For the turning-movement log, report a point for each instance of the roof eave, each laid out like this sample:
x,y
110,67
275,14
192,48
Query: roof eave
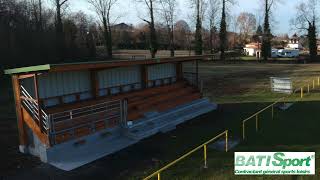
x,y
29,69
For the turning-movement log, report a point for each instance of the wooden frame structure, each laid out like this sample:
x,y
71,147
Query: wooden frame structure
x,y
32,113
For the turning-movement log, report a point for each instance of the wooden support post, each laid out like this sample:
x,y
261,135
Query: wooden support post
x,y
308,88
179,70
17,94
94,83
301,95
144,76
318,81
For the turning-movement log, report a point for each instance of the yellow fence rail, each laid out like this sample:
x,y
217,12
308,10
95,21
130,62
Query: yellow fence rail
x,y
255,116
204,146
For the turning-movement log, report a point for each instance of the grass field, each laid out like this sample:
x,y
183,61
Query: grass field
x,y
252,58
240,89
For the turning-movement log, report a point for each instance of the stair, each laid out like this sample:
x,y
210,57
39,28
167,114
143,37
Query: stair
x,y
168,120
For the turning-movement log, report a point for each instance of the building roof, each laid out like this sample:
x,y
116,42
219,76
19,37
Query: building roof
x,y
99,65
253,45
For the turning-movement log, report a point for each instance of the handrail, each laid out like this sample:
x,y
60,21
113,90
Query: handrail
x,y
71,119
262,110
271,105
157,173
184,156
85,107
33,107
81,125
107,110
54,116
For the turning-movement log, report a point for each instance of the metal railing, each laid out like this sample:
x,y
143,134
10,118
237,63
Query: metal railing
x,y
108,112
111,112
204,146
193,80
304,89
256,116
33,107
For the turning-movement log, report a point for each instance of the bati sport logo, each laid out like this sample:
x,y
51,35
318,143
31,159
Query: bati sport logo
x,y
274,163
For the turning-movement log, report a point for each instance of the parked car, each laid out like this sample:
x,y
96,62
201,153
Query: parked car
x,y
288,53
274,53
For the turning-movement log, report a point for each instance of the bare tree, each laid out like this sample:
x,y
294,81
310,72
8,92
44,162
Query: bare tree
x,y
103,9
306,21
59,27
168,13
150,4
213,11
182,35
247,24
37,13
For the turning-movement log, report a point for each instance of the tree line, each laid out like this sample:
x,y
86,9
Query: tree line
x,y
31,32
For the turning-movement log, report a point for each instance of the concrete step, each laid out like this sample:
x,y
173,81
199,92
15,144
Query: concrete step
x,y
167,121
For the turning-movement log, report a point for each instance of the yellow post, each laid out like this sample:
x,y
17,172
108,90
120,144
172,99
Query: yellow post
x,y
272,112
318,81
308,88
257,122
243,129
159,178
302,92
227,141
205,155
313,84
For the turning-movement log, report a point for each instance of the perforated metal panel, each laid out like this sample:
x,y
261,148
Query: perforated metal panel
x,y
161,71
63,83
119,76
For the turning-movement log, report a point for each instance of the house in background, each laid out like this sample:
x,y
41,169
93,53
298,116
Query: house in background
x,y
253,49
294,42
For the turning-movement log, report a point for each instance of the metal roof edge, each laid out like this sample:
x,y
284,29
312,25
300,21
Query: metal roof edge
x,y
27,69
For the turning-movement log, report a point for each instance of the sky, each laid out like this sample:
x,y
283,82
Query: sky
x,y
128,11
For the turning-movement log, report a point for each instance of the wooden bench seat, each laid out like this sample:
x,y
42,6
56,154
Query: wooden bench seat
x,y
163,101
154,96
165,97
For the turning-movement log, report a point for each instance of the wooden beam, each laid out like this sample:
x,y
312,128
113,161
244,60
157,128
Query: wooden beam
x,y
29,121
25,76
144,76
114,64
94,83
17,93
